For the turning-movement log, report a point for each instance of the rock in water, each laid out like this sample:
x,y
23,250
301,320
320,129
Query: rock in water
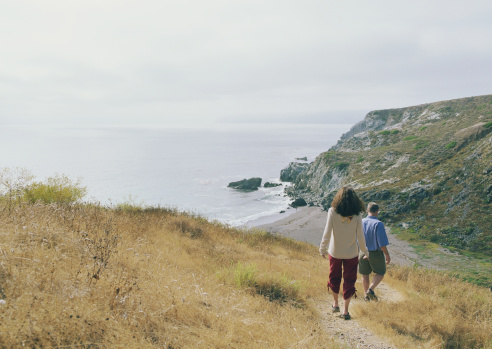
x,y
271,185
298,202
246,184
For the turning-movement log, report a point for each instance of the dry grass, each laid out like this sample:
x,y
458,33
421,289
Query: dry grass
x,y
438,311
86,276
91,277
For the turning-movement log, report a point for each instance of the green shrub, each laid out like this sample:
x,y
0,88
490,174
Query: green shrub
x,y
244,275
422,128
58,189
342,165
409,138
280,289
488,124
421,144
327,155
394,132
276,288
360,159
384,133
450,145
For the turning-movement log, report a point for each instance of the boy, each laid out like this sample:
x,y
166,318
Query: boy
x,y
376,242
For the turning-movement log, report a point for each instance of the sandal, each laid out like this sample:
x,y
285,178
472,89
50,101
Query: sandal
x,y
366,299
335,309
371,295
344,316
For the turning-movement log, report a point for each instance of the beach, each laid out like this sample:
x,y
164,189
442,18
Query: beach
x,y
308,223
302,224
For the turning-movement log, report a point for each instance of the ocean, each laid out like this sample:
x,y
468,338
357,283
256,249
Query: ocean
x,y
186,167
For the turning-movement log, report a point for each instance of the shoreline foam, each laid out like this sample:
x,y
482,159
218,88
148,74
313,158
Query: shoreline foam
x,y
272,218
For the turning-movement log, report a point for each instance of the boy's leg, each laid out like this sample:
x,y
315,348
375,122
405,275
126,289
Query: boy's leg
x,y
365,282
375,281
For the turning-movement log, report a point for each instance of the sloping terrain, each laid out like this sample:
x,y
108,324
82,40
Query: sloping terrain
x,y
429,166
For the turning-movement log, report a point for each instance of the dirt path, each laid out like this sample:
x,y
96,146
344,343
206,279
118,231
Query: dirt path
x,y
353,334
308,225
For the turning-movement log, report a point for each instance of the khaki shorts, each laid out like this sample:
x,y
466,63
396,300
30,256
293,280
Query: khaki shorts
x,y
376,263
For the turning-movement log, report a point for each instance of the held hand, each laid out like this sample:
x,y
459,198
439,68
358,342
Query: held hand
x,y
365,257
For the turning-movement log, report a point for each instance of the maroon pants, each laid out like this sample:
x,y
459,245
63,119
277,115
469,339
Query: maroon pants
x,y
349,275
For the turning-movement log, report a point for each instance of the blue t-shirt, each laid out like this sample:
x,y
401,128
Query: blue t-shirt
x,y
374,233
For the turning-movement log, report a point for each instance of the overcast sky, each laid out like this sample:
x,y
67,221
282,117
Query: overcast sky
x,y
162,61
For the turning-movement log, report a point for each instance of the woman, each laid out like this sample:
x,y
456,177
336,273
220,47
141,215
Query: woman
x,y
342,238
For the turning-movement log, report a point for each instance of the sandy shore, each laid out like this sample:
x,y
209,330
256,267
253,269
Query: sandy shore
x,y
307,224
304,224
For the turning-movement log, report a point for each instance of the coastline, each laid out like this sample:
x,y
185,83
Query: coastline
x,y
303,224
308,223
271,218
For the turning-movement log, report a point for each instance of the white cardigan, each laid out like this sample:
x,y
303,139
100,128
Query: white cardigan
x,y
343,237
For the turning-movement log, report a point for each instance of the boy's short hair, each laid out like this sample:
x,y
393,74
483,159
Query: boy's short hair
x,y
372,207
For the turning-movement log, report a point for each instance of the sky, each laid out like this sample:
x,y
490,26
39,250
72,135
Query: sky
x,y
149,62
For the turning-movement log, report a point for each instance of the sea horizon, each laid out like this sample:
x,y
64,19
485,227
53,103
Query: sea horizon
x,y
184,167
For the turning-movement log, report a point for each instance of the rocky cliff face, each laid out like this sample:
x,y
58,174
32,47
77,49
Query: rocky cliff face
x,y
429,166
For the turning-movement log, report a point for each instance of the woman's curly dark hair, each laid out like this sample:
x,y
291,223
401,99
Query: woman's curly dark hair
x,y
346,202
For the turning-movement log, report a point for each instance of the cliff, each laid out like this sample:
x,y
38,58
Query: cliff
x,y
429,166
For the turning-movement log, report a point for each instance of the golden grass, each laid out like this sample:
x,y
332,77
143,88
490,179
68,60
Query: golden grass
x,y
92,277
86,276
438,311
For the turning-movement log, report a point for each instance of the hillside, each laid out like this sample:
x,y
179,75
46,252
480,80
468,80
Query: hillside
x,y
86,276
429,166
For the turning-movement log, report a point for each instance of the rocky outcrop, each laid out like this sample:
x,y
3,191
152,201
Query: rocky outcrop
x,y
299,202
427,165
246,184
271,185
290,173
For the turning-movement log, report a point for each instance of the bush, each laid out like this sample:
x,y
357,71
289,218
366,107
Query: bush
x,y
488,124
409,138
421,144
13,181
450,145
275,288
384,133
244,275
342,165
58,189
280,289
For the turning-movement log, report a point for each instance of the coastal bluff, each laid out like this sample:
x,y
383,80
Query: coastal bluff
x,y
429,166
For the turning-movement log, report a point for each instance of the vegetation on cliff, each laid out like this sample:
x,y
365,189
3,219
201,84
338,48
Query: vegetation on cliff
x,y
429,166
